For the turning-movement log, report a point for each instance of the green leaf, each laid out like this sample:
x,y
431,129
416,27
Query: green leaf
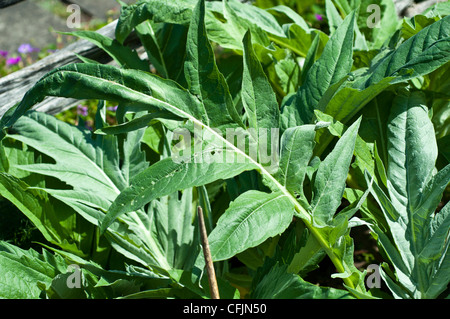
x,y
168,176
298,38
279,284
288,72
411,26
432,193
59,224
333,16
329,184
439,9
171,223
154,52
202,75
69,145
310,58
297,145
172,41
346,6
229,34
412,151
158,11
258,17
419,55
38,208
123,55
333,65
139,122
89,199
258,98
259,101
348,101
307,258
384,28
419,247
88,81
22,270
291,14
251,219
279,67
134,158
356,94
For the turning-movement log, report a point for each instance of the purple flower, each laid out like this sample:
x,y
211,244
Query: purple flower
x,y
82,110
13,61
27,48
112,108
318,17
4,53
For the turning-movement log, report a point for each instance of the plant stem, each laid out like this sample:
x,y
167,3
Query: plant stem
x,y
334,259
213,287
287,46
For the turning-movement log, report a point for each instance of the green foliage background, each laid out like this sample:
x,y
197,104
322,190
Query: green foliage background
x,y
362,176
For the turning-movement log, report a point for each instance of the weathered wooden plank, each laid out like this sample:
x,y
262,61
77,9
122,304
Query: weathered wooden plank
x,y
14,86
419,7
7,3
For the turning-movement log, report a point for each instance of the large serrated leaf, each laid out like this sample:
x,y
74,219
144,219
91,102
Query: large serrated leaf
x,y
419,247
69,145
21,271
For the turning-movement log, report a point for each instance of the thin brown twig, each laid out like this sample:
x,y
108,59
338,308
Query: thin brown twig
x,y
213,288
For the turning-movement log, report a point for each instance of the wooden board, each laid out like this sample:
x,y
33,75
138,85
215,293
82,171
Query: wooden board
x,y
14,86
7,3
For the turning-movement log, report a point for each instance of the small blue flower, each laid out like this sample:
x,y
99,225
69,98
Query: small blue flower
x,y
82,110
26,48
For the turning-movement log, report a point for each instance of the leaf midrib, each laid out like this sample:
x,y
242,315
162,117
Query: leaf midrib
x,y
304,215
